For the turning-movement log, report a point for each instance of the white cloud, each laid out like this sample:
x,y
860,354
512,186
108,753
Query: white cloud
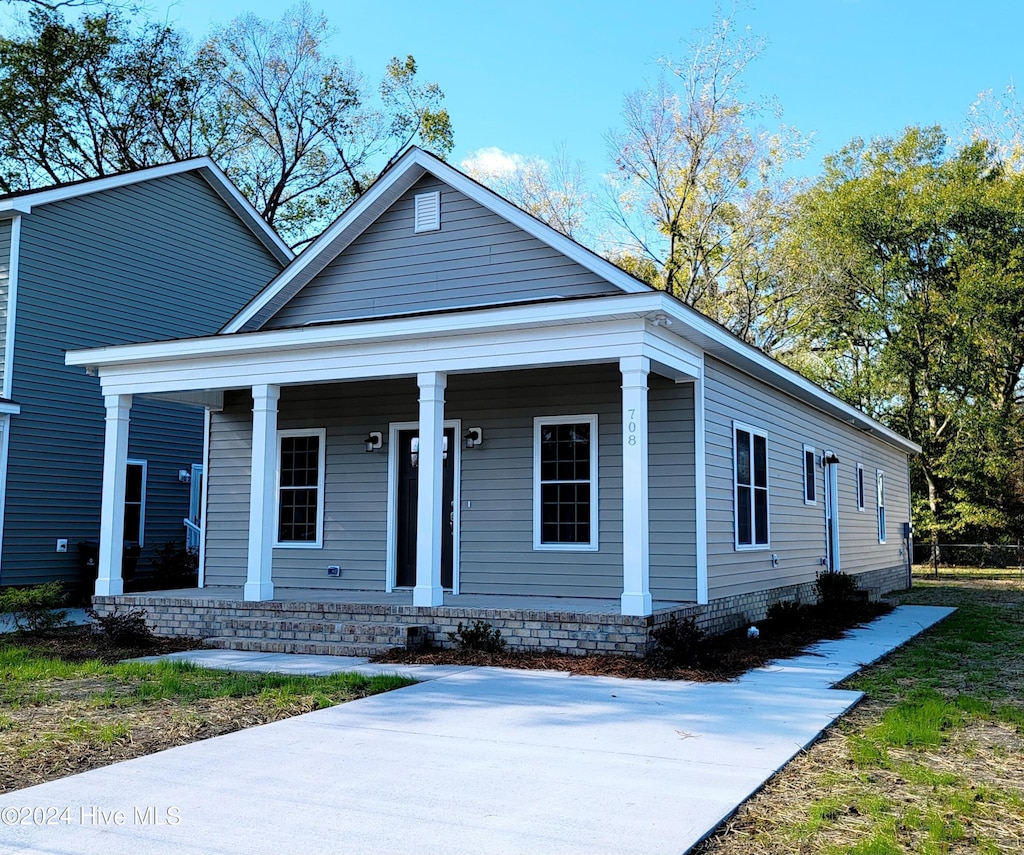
x,y
493,161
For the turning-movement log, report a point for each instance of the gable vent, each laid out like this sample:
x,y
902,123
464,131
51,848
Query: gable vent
x,y
428,212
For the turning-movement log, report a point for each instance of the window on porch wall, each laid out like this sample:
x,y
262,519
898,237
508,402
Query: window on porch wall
x,y
565,487
300,477
135,502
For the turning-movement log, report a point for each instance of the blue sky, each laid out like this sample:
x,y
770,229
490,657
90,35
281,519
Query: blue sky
x,y
530,76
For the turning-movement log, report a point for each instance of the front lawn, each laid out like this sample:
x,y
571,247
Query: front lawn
x,y
59,716
931,762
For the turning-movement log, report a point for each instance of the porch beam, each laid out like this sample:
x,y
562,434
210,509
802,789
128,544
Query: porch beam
x,y
428,591
636,552
109,582
259,583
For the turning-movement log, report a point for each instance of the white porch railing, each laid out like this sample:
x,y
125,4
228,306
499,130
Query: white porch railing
x,y
192,535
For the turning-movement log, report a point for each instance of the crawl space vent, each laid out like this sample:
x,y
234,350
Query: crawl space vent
x,y
428,212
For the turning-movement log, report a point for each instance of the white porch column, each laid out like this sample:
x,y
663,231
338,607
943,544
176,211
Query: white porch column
x,y
636,559
262,499
115,467
429,513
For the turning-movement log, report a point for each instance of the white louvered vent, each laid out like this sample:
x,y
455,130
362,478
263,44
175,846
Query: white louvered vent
x,y
428,212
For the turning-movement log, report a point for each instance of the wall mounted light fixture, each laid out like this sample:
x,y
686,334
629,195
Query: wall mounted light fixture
x,y
374,440
474,437
184,476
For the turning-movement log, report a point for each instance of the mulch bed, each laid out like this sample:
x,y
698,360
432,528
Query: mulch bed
x,y
722,657
82,643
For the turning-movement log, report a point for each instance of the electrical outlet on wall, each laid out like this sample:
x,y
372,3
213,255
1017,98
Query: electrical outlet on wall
x,y
62,544
333,570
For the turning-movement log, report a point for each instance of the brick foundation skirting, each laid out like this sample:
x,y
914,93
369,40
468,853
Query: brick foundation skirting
x,y
329,627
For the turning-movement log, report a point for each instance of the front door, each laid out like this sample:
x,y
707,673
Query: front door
x,y
832,511
408,481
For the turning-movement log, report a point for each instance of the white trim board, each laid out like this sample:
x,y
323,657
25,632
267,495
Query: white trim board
x,y
205,166
391,555
673,330
12,307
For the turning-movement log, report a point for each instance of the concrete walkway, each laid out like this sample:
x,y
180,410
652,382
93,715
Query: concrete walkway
x,y
473,760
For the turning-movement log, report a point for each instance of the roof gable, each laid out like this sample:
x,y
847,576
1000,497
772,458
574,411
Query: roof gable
x,y
473,257
395,188
24,201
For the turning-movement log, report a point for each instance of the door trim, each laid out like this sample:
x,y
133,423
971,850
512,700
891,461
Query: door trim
x,y
832,544
391,564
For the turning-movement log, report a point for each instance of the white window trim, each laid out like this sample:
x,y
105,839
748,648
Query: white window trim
x,y
595,541
814,470
142,498
858,488
750,547
321,467
880,504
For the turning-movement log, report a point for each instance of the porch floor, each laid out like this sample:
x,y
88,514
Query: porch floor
x,y
576,605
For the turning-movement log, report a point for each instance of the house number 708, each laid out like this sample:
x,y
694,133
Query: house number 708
x,y
631,428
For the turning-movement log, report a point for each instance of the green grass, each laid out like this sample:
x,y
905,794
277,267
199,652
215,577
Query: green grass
x,y
59,717
932,761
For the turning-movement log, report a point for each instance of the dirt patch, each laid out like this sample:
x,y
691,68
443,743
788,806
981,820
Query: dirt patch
x,y
825,800
723,657
82,643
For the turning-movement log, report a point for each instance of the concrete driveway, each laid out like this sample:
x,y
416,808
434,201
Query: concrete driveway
x,y
477,760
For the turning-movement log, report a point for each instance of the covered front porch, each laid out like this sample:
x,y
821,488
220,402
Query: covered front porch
x,y
323,386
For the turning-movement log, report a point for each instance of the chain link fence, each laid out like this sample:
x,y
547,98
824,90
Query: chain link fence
x,y
995,556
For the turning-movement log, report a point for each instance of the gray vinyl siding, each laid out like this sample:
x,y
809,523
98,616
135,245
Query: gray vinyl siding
x,y
497,532
476,258
496,501
797,530
5,291
160,259
671,487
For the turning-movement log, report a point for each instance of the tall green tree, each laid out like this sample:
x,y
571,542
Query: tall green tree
x,y
300,131
697,187
914,255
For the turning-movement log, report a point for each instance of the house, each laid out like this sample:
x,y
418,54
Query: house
x,y
444,409
157,253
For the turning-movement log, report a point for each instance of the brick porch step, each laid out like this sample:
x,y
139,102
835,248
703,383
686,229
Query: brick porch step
x,y
319,648
286,635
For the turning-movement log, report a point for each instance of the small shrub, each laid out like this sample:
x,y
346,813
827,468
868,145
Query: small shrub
x,y
678,643
37,608
481,637
834,588
174,561
788,615
125,629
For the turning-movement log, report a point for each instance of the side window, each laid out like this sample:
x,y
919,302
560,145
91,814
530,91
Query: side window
x,y
300,493
860,487
810,487
880,476
565,483
135,502
751,488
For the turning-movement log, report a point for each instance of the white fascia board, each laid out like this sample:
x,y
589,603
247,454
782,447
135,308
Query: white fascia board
x,y
342,361
212,173
13,207
97,185
759,365
182,351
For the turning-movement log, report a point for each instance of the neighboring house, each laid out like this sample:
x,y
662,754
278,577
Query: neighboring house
x,y
157,253
445,396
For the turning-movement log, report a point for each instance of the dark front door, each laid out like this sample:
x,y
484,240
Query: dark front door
x,y
408,488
